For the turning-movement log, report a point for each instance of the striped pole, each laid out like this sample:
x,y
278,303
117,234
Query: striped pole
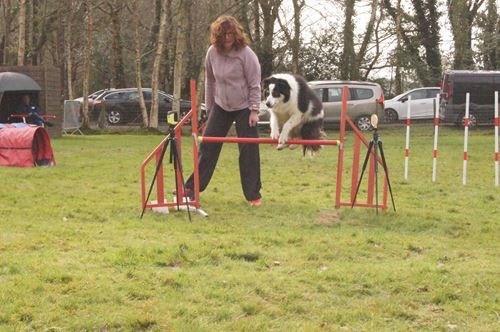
x,y
436,130
496,138
407,148
466,137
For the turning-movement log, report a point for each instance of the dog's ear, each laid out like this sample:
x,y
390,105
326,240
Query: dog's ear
x,y
283,84
268,80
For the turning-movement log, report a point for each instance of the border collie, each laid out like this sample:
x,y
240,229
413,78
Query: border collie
x,y
296,111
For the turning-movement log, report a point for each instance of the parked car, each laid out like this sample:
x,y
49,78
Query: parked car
x,y
423,105
364,99
481,86
121,106
93,96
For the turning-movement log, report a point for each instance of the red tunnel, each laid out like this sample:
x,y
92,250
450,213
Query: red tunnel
x,y
25,147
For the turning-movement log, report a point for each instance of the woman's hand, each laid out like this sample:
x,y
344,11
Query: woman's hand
x,y
253,118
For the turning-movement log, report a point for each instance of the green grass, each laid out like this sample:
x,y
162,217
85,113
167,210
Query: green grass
x,y
75,256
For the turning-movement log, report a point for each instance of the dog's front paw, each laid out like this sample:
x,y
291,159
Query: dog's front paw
x,y
282,139
275,134
281,146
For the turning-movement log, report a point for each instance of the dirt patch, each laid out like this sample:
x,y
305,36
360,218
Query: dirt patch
x,y
328,218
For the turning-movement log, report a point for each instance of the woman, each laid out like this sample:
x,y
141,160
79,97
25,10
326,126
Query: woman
x,y
232,94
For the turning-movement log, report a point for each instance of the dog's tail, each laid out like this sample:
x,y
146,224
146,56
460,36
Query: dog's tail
x,y
312,130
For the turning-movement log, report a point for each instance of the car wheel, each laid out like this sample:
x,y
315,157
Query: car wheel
x,y
472,120
390,115
363,123
114,117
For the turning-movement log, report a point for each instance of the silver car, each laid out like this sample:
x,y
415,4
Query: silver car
x,y
422,105
364,99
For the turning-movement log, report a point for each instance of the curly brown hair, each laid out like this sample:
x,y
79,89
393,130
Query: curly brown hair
x,y
227,24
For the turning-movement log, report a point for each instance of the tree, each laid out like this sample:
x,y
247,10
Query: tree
x,y
293,38
67,49
153,114
357,65
462,14
399,52
180,50
320,57
427,18
138,69
21,40
348,54
489,37
87,61
270,11
419,35
113,9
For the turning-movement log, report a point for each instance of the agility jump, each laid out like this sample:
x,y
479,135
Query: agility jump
x,y
179,202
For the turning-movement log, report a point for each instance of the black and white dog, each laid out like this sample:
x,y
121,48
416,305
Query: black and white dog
x,y
296,111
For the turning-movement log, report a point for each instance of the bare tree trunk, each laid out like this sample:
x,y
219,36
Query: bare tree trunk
x,y
180,50
298,5
43,26
270,11
348,53
399,51
87,62
166,74
21,45
7,56
294,40
462,14
29,26
153,117
256,26
67,50
368,36
117,44
138,72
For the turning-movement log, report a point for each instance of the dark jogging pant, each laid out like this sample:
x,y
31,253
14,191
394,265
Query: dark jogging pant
x,y
218,125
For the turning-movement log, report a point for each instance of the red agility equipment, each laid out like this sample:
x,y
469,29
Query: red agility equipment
x,y
251,140
25,147
181,201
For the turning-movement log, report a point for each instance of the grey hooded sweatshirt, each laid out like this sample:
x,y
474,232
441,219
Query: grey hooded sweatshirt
x,y
232,79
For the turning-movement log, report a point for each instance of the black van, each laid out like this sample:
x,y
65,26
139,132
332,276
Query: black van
x,y
481,86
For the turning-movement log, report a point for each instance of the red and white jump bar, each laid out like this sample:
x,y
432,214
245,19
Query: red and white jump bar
x,y
251,140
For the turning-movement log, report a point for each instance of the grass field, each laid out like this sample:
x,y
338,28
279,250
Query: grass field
x,y
74,255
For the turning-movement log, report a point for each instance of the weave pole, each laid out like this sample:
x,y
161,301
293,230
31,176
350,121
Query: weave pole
x,y
496,138
466,138
407,147
436,131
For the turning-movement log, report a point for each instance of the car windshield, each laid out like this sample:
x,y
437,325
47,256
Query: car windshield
x,y
95,94
400,95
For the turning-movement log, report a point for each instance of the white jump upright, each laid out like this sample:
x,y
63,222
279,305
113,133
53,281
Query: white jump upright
x,y
466,137
436,131
407,147
496,138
